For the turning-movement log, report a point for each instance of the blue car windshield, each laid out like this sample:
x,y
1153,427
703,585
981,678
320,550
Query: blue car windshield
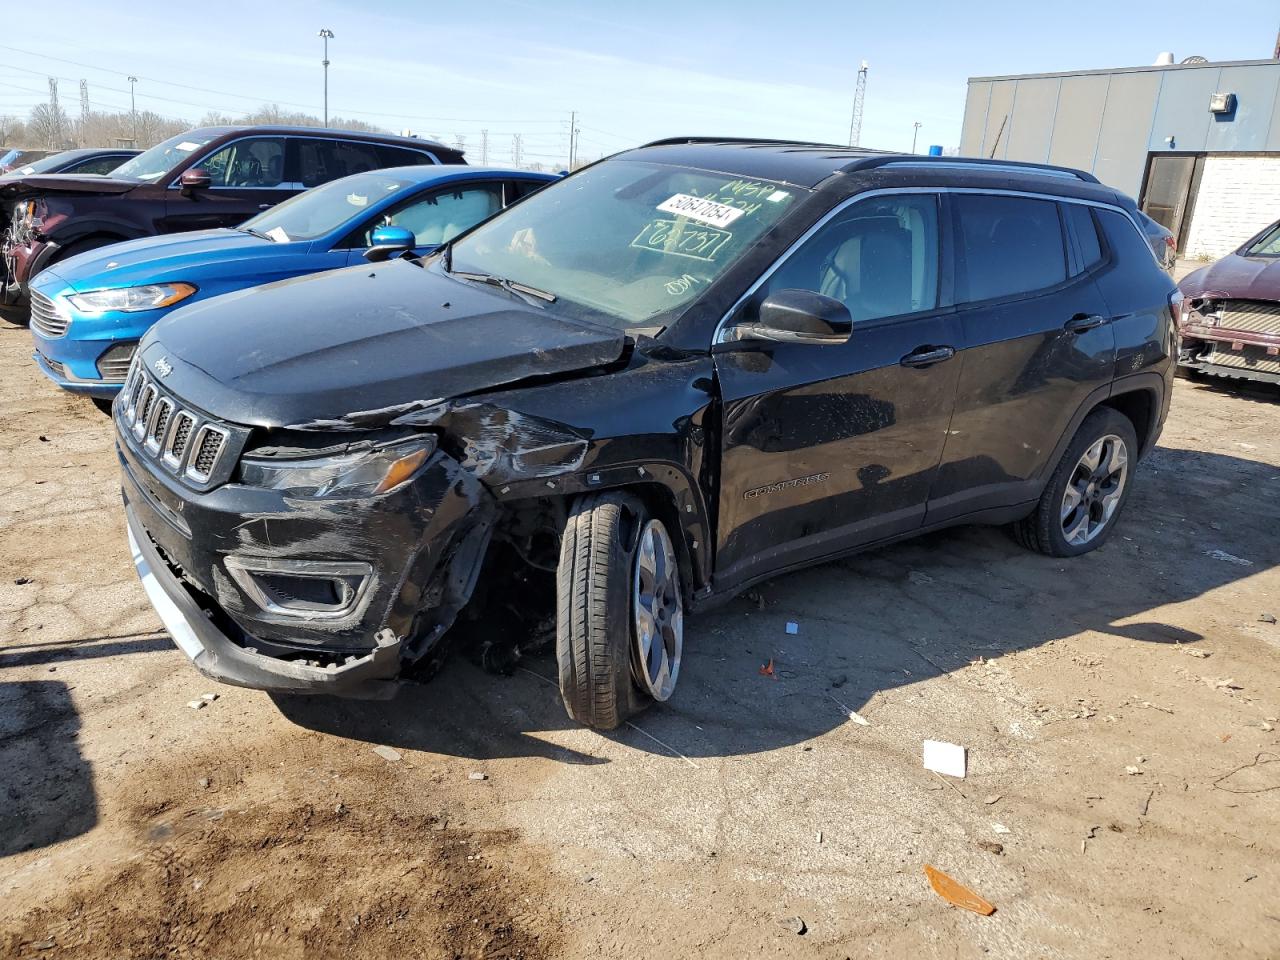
x,y
634,243
321,210
151,165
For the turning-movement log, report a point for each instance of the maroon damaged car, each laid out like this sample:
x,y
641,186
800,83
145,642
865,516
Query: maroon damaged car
x,y
202,179
1231,313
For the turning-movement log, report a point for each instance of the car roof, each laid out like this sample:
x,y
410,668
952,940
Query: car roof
x,y
388,138
429,173
811,164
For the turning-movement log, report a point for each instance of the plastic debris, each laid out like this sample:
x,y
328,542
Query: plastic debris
x,y
390,754
197,704
792,627
477,775
1267,617
1200,654
1228,558
859,718
1000,828
957,894
23,581
208,697
941,757
1133,771
767,669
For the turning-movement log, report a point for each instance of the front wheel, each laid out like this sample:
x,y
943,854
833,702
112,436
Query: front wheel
x,y
619,611
1083,499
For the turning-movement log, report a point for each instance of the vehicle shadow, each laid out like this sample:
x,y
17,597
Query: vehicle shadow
x,y
867,624
46,786
82,649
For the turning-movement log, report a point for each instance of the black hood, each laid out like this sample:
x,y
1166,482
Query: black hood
x,y
356,347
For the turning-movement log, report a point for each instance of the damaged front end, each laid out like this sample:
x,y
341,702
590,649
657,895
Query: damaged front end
x,y
301,564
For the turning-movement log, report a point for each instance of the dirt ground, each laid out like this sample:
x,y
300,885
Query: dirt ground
x,y
1122,797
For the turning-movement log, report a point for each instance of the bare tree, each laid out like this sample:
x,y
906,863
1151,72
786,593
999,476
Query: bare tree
x,y
48,128
12,130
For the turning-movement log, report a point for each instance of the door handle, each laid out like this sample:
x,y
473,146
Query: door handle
x,y
265,206
1084,321
927,356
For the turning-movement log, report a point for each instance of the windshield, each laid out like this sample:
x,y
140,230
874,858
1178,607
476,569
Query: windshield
x,y
323,209
636,241
1268,246
155,163
43,165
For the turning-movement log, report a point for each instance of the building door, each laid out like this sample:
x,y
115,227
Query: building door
x,y
1170,192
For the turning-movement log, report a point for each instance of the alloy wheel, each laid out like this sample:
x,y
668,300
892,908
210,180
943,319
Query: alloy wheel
x,y
1094,490
658,611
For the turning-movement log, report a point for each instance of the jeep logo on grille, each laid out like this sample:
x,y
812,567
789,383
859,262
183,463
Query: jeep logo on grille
x,y
163,366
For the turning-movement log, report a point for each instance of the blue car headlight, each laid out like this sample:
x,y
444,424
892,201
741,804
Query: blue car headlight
x,y
151,296
362,473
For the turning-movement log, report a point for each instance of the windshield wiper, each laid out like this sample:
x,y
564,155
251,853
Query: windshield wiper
x,y
512,285
257,233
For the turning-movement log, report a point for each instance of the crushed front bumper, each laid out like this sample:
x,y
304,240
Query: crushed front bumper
x,y
212,562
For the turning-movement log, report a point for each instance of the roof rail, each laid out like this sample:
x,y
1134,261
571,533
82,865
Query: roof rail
x,y
672,141
1017,166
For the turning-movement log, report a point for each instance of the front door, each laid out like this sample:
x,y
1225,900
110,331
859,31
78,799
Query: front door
x,y
1037,341
247,176
827,447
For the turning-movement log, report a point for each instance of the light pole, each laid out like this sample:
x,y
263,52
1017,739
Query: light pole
x,y
133,109
915,131
326,35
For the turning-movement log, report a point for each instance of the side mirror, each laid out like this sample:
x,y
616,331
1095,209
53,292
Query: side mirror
x,y
194,179
389,241
795,316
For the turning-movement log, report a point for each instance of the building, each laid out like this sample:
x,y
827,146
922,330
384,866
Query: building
x,y
1197,144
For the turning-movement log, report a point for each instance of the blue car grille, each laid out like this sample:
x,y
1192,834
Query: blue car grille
x,y
45,318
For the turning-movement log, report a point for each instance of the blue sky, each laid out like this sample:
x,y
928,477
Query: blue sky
x,y
634,72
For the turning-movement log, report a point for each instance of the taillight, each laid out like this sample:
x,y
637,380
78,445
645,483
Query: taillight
x,y
1176,301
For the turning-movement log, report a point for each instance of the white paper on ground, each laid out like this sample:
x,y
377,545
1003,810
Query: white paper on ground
x,y
945,758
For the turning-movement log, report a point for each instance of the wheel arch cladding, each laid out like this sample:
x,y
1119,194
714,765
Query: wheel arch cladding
x,y
1141,407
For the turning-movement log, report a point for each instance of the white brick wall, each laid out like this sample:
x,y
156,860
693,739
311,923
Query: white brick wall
x,y
1238,197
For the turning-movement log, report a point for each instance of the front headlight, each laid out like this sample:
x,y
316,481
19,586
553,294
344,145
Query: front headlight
x,y
152,296
364,473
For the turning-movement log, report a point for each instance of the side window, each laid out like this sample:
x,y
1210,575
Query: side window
x,y
400,156
320,161
1126,243
98,165
439,215
1085,235
1007,246
879,257
526,187
247,163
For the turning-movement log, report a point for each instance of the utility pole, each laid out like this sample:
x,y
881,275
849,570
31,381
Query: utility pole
x,y
484,148
84,101
859,95
517,148
326,35
915,132
55,133
133,109
573,139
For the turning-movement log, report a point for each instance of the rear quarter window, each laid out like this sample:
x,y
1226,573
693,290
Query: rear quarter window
x,y
1129,245
1007,246
1085,232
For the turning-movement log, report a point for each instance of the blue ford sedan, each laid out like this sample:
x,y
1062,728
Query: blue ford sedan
x,y
88,312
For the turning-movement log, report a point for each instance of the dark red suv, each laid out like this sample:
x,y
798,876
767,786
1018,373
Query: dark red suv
x,y
205,178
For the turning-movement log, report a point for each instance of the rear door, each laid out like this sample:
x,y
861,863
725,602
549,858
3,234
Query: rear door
x,y
247,176
1037,343
827,447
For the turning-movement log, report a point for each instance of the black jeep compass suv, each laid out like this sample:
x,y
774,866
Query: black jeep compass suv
x,y
679,371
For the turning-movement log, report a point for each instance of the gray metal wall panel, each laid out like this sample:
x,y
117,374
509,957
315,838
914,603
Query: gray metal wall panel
x,y
975,118
1031,127
1126,127
1182,111
999,115
1255,89
1273,134
1075,131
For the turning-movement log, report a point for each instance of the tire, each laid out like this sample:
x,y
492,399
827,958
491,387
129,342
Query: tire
x,y
1060,528
18,314
604,576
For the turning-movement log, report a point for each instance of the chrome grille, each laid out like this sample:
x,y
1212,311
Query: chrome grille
x,y
45,318
53,365
1257,316
183,440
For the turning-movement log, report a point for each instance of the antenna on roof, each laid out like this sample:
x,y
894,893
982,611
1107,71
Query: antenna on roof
x,y
859,95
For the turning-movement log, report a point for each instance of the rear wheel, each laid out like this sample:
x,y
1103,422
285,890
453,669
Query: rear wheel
x,y
620,611
1088,489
